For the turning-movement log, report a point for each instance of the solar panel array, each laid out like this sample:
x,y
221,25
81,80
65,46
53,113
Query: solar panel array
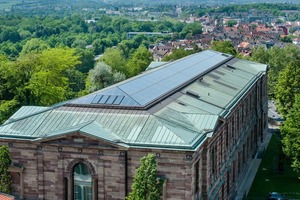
x,y
142,90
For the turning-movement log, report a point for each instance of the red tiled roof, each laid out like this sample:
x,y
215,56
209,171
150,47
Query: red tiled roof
x,y
6,197
244,44
262,29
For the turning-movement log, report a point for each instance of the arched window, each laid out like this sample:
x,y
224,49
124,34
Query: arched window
x,y
82,180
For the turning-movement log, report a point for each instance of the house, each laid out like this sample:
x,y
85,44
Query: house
x,y
202,116
159,51
244,46
296,41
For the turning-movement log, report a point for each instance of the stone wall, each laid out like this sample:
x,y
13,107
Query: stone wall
x,y
48,165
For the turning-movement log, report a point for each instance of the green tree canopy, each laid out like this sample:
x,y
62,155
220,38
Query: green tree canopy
x,y
86,57
140,61
190,30
224,46
5,162
7,108
231,23
287,87
102,76
34,45
115,59
146,185
290,132
277,59
177,54
48,83
38,78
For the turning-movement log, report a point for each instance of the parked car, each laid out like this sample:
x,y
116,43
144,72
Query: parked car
x,y
275,196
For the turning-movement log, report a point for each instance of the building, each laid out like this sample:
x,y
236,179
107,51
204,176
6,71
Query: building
x,y
148,34
203,116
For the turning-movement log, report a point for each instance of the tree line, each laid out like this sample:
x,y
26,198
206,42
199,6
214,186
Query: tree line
x,y
284,88
276,9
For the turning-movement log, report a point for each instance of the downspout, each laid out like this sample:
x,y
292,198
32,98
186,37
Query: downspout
x,y
126,174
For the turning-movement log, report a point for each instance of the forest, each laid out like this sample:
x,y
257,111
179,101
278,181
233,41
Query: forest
x,y
45,60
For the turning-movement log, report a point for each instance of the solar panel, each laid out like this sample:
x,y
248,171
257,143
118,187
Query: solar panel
x,y
118,100
111,99
103,99
140,91
96,99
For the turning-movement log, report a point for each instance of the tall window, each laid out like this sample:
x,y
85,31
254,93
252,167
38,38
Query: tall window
x,y
214,160
82,180
197,177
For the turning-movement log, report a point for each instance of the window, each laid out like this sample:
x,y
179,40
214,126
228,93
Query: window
x,y
82,181
244,153
239,163
233,171
227,134
197,177
213,160
228,182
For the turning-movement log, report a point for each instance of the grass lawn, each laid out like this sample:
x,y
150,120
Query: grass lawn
x,y
270,179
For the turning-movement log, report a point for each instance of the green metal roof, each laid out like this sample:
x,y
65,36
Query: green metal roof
x,y
179,120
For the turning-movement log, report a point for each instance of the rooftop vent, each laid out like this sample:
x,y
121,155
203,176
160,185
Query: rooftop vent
x,y
223,54
181,103
191,93
231,67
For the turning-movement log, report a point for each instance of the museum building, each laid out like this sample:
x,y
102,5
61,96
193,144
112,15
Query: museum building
x,y
203,117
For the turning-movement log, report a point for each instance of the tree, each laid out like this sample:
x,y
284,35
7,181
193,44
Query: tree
x,y
7,108
177,54
5,162
49,84
292,30
76,82
44,80
86,57
115,59
146,185
224,46
34,45
260,54
290,132
10,34
287,87
277,59
231,23
286,39
102,76
139,61
192,29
